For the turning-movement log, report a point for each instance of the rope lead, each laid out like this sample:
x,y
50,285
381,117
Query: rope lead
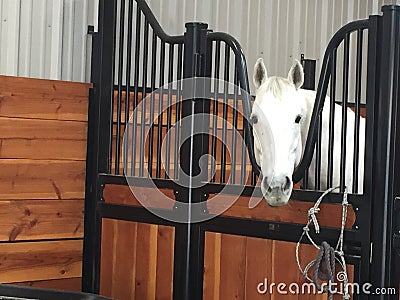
x,y
324,264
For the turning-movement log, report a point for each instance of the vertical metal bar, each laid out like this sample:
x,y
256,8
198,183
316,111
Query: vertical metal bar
x,y
169,108
344,111
331,119
143,102
99,140
128,86
243,169
317,175
385,184
152,87
136,89
234,125
225,113
357,100
119,97
215,108
160,109
189,237
179,74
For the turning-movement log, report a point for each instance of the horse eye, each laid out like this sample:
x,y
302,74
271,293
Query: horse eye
x,y
298,118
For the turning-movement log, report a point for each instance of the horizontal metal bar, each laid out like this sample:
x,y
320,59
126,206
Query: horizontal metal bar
x,y
281,231
134,214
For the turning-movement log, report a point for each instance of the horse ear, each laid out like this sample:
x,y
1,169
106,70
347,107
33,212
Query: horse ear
x,y
260,73
296,74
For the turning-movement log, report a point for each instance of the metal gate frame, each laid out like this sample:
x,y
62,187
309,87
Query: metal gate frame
x,y
373,247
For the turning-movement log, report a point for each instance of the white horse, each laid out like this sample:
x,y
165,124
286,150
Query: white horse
x,y
281,117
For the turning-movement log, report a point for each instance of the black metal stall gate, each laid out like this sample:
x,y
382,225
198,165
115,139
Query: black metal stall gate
x,y
133,55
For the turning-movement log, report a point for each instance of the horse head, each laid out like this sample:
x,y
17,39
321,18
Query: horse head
x,y
278,117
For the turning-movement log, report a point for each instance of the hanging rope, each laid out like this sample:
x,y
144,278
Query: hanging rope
x,y
324,264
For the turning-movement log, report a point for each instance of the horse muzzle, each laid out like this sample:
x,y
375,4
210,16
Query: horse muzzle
x,y
277,193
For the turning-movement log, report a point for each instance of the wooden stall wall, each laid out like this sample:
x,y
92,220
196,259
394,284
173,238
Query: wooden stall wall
x,y
42,175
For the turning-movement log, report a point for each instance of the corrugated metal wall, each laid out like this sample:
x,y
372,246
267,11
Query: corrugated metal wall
x,y
44,38
48,39
277,30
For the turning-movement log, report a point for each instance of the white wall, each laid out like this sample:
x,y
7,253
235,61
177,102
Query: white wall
x,y
48,39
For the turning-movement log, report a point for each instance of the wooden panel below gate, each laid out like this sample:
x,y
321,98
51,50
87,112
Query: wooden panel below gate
x,y
136,260
235,265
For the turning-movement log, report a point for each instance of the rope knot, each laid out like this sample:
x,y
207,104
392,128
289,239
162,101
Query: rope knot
x,y
311,215
341,253
312,211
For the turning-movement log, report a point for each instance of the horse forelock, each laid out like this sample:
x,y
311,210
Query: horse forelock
x,y
277,86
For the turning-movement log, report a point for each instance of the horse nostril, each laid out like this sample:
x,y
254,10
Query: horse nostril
x,y
287,184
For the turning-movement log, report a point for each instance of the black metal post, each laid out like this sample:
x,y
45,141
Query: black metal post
x,y
189,238
387,155
99,139
309,72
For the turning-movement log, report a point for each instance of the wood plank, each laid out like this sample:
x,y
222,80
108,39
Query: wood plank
x,y
107,259
42,129
38,169
41,179
124,260
165,262
67,284
233,267
294,212
146,261
41,106
258,266
43,86
60,189
32,261
136,260
31,220
150,197
212,266
51,149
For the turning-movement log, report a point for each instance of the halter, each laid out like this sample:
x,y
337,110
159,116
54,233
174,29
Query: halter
x,y
325,250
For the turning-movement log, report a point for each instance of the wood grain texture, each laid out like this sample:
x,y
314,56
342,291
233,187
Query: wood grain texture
x,y
68,284
43,106
294,212
41,179
35,86
236,265
138,196
42,157
17,128
136,260
40,219
32,261
44,149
